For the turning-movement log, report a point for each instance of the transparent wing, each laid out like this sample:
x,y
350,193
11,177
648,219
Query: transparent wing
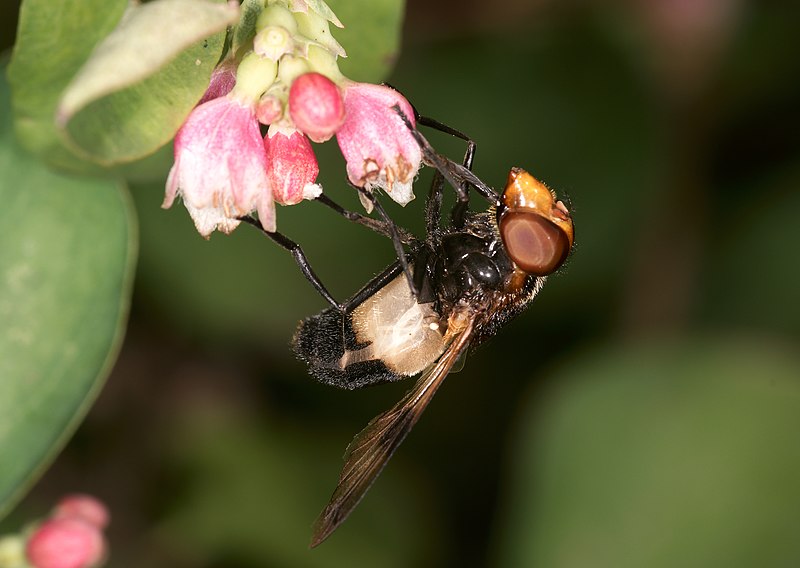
x,y
369,451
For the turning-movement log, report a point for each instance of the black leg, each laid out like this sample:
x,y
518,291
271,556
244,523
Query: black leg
x,y
371,287
387,227
441,127
458,214
378,282
456,174
429,122
395,235
433,206
380,227
300,259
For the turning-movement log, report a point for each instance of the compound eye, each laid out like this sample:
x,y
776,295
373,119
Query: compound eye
x,y
535,244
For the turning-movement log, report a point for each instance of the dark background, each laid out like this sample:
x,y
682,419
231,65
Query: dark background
x,y
643,412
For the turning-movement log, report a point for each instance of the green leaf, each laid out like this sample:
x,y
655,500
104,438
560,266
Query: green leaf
x,y
371,36
322,9
677,454
65,280
54,39
246,28
142,80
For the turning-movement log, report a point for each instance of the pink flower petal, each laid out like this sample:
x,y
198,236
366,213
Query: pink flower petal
x,y
378,147
220,165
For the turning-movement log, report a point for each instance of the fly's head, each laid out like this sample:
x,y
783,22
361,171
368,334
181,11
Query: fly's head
x,y
535,227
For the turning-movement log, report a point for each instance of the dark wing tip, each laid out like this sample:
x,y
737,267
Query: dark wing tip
x,y
323,527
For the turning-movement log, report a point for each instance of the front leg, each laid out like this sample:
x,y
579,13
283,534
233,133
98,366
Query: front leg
x,y
457,175
380,227
300,258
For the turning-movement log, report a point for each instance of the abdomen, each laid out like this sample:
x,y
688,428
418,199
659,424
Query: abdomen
x,y
387,337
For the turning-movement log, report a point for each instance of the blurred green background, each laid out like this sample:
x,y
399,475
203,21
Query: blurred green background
x,y
645,411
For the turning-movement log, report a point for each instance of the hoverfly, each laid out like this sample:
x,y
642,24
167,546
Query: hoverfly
x,y
453,290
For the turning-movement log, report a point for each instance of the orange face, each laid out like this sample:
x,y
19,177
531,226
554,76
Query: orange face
x,y
536,228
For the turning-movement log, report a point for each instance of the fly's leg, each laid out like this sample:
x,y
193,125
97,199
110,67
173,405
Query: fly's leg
x,y
300,258
460,176
459,210
433,205
372,287
469,156
395,236
441,127
380,227
456,174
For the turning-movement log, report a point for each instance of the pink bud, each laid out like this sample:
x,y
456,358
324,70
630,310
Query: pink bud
x,y
378,146
269,109
65,543
315,105
291,166
84,507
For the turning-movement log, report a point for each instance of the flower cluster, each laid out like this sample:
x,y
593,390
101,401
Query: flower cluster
x,y
287,84
71,537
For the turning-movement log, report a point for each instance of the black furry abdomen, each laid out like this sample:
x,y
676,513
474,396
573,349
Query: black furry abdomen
x,y
320,342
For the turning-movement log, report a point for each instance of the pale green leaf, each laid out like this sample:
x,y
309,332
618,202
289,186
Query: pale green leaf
x,y
318,6
66,266
371,36
149,36
54,39
246,28
140,84
135,122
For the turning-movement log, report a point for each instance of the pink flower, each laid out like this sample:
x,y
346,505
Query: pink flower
x,y
291,166
65,543
379,149
84,507
220,167
316,107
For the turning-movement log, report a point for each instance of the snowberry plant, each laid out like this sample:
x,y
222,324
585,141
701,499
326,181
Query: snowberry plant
x,y
286,79
92,97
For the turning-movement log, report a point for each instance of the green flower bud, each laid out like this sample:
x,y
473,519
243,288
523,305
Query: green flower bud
x,y
290,68
254,76
276,15
273,42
